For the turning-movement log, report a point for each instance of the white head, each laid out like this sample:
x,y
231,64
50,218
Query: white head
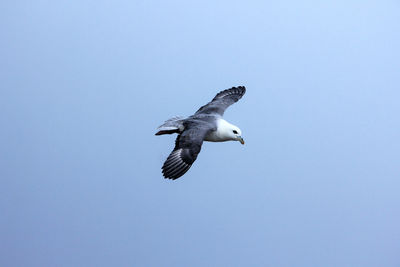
x,y
236,134
230,132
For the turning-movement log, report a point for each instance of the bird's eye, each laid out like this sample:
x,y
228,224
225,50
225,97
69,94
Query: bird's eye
x,y
235,132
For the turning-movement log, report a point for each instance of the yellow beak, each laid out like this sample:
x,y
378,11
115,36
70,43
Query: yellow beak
x,y
241,140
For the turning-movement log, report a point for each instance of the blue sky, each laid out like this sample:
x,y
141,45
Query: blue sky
x,y
84,84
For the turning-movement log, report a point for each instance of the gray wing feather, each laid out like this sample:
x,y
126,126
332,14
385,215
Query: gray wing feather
x,y
170,126
187,147
222,101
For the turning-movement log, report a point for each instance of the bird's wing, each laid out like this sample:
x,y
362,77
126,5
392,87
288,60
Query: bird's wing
x,y
222,101
187,147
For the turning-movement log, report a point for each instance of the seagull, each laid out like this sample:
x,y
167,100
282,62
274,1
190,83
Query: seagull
x,y
206,124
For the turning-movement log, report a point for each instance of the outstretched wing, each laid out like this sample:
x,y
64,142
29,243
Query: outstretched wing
x,y
187,147
222,101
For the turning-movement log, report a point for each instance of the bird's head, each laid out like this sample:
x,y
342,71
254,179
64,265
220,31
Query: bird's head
x,y
236,134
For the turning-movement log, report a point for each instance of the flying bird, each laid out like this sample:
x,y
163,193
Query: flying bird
x,y
206,124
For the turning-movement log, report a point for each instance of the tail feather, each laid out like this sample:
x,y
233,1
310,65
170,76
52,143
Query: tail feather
x,y
170,126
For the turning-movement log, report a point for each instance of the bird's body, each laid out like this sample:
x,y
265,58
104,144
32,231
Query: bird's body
x,y
206,124
220,134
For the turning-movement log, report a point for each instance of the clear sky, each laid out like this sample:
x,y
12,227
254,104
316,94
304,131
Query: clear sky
x,y
84,84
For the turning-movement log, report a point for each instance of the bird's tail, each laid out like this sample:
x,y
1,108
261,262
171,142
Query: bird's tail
x,y
173,125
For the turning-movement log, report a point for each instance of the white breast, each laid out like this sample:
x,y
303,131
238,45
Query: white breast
x,y
222,133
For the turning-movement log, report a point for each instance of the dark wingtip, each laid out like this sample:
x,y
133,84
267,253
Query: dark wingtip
x,y
239,91
241,87
170,178
173,174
